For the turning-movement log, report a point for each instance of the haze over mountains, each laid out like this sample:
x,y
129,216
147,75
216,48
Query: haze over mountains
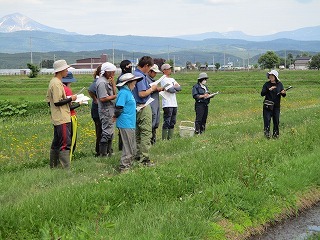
x,y
21,34
18,22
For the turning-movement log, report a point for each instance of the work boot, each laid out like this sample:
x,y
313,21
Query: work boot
x,y
54,158
170,133
64,157
103,148
165,133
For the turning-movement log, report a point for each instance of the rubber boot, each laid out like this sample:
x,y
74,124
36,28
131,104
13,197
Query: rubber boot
x,y
54,158
103,149
64,157
170,133
154,136
267,134
165,133
109,148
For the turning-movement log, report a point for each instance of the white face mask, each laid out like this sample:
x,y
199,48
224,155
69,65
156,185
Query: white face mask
x,y
204,82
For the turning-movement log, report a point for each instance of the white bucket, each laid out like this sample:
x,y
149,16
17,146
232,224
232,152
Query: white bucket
x,y
186,129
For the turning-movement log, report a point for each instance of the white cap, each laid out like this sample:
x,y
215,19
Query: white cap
x,y
107,67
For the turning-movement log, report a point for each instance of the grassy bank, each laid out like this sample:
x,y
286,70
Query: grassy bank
x,y
223,184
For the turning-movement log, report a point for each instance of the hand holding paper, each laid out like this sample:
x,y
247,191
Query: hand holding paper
x,y
212,95
150,100
82,98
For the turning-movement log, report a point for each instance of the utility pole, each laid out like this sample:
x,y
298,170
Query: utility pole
x,y
213,67
31,60
113,52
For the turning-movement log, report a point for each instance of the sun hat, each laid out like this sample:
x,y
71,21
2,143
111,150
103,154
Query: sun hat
x,y
128,77
155,68
202,75
107,67
165,66
275,73
69,78
60,65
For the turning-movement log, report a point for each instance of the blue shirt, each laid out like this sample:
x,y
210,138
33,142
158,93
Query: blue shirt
x,y
127,118
142,85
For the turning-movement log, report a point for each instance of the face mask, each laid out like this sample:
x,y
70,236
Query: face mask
x,y
204,82
127,70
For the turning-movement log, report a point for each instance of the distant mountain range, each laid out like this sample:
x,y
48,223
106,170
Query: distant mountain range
x,y
20,34
302,34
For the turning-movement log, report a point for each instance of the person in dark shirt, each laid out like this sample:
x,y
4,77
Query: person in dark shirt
x,y
200,93
272,91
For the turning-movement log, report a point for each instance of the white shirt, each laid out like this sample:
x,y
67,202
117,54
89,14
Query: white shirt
x,y
169,99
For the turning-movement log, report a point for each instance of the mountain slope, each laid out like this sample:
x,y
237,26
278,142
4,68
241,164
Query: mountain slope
x,y
302,34
18,22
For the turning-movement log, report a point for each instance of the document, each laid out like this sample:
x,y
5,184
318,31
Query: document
x,y
212,95
157,81
150,100
82,98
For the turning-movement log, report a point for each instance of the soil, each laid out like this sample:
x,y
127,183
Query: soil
x,y
301,227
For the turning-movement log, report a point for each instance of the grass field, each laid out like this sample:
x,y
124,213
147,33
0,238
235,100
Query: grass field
x,y
228,183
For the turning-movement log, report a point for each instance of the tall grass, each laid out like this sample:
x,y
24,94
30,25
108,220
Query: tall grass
x,y
223,184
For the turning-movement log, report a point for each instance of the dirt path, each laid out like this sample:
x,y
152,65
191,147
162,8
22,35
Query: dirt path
x,y
297,228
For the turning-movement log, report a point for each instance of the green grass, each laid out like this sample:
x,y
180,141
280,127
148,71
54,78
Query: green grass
x,y
220,185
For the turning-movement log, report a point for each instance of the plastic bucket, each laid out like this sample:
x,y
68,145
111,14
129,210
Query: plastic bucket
x,y
186,129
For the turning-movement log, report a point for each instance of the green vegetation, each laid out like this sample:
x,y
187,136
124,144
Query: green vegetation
x,y
224,184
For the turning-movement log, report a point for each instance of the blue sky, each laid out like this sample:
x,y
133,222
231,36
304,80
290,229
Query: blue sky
x,y
167,17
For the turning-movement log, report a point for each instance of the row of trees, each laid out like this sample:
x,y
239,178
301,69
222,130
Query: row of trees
x,y
271,60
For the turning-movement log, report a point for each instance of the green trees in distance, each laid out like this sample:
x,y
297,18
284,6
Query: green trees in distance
x,y
269,60
315,62
34,70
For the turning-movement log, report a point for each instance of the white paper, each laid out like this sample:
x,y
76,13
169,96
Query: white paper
x,y
212,95
163,94
82,98
157,81
150,100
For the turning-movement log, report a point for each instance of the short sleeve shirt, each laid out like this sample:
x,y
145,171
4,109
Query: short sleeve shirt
x,y
127,118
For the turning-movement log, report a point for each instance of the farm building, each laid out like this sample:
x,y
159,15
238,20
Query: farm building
x,y
301,63
90,63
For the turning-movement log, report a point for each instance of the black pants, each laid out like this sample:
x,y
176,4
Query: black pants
x,y
201,117
169,117
61,137
275,115
98,128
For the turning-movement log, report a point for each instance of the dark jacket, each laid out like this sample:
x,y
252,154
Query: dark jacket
x,y
274,95
197,90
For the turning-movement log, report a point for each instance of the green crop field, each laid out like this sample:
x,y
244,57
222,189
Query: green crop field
x,y
227,183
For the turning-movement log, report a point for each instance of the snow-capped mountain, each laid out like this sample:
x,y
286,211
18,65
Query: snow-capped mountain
x,y
18,22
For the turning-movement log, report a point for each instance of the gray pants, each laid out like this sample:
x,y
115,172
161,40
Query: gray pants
x,y
129,147
107,125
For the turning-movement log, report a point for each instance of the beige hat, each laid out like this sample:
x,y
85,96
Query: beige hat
x,y
155,68
165,66
60,65
203,75
128,77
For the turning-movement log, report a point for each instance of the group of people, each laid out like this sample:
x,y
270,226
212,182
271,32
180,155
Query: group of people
x,y
132,104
